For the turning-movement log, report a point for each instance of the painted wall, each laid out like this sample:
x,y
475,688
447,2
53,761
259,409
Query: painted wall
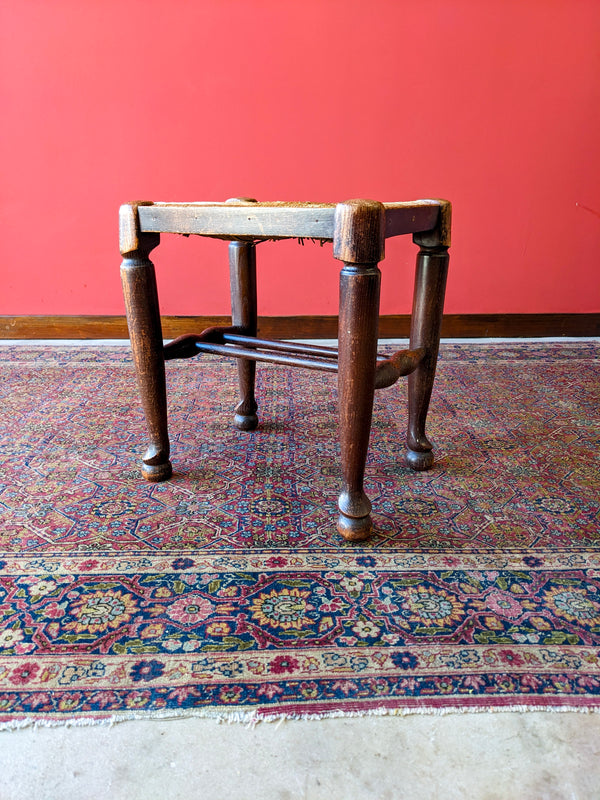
x,y
494,105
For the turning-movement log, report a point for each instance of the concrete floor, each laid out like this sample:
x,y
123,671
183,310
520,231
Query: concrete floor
x,y
527,756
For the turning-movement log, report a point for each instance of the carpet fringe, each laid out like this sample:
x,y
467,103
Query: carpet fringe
x,y
250,718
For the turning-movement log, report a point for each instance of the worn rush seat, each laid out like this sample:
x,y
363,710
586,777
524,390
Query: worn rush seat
x,y
358,230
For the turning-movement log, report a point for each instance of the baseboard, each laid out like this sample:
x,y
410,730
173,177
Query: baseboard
x,y
305,327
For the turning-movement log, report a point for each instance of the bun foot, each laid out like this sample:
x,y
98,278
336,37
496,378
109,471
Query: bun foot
x,y
245,422
355,530
419,461
155,473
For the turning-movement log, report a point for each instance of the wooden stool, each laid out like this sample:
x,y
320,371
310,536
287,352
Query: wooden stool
x,y
358,230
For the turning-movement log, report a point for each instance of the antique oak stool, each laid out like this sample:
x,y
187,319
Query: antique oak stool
x,y
358,230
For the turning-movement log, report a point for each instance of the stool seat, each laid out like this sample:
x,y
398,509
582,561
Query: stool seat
x,y
358,230
236,219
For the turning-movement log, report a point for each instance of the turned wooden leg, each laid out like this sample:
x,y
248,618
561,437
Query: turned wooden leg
x,y
358,241
358,327
143,319
428,306
242,272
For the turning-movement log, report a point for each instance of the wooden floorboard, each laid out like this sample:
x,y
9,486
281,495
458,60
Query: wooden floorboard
x,y
305,327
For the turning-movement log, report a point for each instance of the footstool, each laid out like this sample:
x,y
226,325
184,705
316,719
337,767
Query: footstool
x,y
358,230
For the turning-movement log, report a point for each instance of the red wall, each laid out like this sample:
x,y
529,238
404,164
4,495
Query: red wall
x,y
494,105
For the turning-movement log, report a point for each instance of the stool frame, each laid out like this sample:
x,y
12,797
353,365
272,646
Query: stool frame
x,y
358,230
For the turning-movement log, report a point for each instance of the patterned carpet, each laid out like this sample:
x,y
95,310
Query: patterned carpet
x,y
226,591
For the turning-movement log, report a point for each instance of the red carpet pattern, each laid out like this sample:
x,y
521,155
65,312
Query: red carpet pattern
x,y
227,591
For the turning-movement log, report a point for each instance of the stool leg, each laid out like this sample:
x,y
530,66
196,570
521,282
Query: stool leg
x,y
143,319
242,274
358,328
426,321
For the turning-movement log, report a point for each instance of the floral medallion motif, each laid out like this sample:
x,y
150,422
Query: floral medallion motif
x,y
431,607
555,505
285,608
190,610
100,611
576,604
270,507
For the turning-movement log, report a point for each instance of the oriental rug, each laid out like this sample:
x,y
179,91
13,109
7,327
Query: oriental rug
x,y
227,591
